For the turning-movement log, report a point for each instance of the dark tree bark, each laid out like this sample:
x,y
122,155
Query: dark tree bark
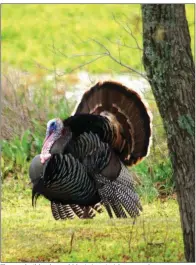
x,y
170,69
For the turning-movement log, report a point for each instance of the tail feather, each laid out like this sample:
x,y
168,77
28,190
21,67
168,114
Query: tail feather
x,y
131,196
60,211
128,115
77,210
88,212
119,194
91,212
126,184
65,211
129,206
118,197
108,208
118,209
55,211
97,207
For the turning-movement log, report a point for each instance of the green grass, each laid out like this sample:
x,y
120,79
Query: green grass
x,y
32,235
32,29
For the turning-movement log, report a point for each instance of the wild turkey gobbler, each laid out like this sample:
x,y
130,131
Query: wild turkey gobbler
x,y
110,130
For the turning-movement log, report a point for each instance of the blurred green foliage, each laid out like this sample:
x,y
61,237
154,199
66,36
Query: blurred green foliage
x,y
15,155
51,34
42,106
156,180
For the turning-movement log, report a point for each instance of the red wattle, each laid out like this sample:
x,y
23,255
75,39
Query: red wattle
x,y
48,141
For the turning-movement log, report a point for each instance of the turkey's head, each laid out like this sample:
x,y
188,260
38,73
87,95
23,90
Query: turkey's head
x,y
55,131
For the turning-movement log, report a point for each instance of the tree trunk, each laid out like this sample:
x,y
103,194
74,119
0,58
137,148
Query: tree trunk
x,y
170,69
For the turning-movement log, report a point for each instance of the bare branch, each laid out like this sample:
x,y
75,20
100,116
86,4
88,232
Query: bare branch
x,y
58,51
123,45
132,23
98,56
132,35
119,52
41,66
72,70
129,31
117,61
55,50
82,65
101,45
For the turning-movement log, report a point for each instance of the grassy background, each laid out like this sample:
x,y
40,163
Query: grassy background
x,y
31,31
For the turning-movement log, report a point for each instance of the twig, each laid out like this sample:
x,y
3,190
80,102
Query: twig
x,y
73,69
144,234
165,241
41,66
130,237
119,52
7,78
55,50
54,65
132,35
123,45
146,241
71,242
82,65
117,61
129,31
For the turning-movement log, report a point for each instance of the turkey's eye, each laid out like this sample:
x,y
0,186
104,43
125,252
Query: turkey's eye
x,y
53,125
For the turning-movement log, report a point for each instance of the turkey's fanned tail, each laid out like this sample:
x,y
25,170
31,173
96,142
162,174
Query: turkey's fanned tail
x,y
128,116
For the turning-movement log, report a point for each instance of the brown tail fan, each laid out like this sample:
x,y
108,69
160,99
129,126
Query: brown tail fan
x,y
126,112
